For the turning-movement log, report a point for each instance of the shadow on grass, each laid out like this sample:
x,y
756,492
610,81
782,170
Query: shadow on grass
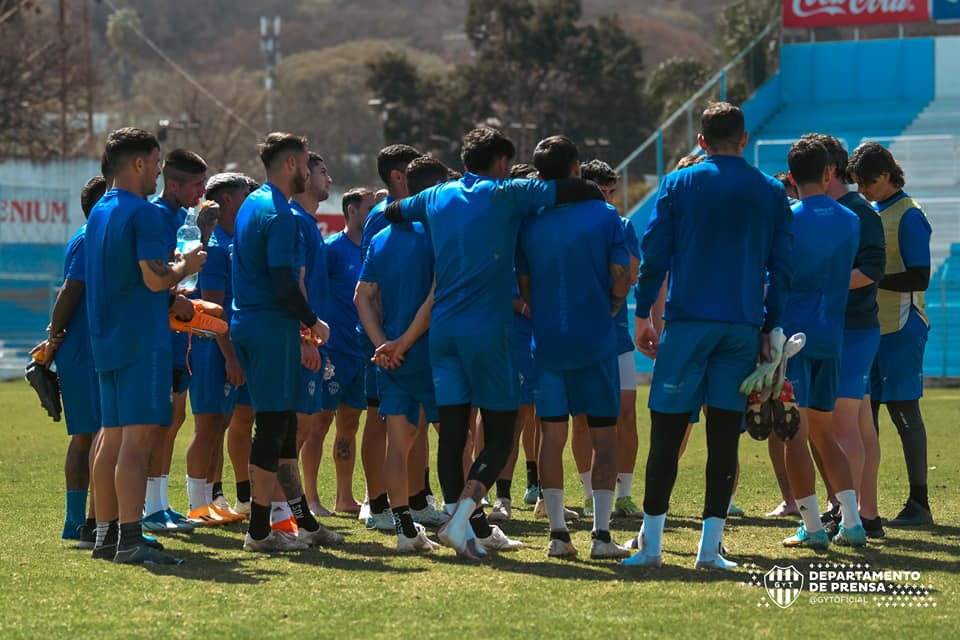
x,y
214,567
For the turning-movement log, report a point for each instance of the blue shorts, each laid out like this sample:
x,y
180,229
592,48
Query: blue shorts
x,y
209,390
702,362
138,394
897,372
347,386
371,388
181,380
593,391
79,391
856,359
403,394
268,347
243,396
476,369
526,373
814,381
310,391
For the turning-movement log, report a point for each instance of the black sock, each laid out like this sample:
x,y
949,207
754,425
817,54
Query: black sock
x,y
426,482
301,513
503,488
243,491
560,535
113,534
918,493
418,502
131,534
379,504
479,523
602,536
92,524
404,521
533,480
259,521
217,489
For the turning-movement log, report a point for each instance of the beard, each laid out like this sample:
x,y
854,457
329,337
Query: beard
x,y
299,183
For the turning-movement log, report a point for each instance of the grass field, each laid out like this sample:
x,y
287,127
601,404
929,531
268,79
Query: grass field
x,y
364,590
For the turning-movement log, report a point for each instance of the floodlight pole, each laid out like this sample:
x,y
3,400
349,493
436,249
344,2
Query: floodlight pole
x,y
270,47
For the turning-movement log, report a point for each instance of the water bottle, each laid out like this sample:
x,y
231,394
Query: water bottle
x,y
188,239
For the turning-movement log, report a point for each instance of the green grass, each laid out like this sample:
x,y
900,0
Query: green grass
x,y
365,590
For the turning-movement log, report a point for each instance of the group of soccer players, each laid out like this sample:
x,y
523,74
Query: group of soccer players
x,y
490,304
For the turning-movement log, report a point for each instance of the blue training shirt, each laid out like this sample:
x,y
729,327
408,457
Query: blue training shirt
x,y
173,219
474,223
721,228
315,278
826,236
76,343
215,275
567,255
265,237
343,268
400,261
127,320
622,319
871,260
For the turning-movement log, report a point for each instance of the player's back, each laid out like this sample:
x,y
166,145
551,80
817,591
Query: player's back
x,y
316,279
252,285
567,253
76,342
825,239
215,275
343,268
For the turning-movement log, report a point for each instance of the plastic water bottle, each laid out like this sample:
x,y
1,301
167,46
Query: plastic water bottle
x,y
188,239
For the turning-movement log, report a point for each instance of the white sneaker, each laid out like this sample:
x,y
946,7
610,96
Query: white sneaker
x,y
382,521
429,517
243,508
500,511
322,537
540,511
420,542
600,550
561,549
498,541
276,541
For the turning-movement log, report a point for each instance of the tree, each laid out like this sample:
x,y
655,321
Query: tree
x,y
675,80
740,22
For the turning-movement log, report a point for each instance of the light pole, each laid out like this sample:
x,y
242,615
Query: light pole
x,y
270,47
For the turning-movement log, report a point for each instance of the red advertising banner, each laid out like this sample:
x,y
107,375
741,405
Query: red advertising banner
x,y
851,13
330,223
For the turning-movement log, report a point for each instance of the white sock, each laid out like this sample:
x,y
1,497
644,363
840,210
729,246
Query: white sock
x,y
101,533
587,482
164,495
810,512
554,500
624,484
710,539
207,491
602,508
653,533
279,511
195,494
152,502
849,511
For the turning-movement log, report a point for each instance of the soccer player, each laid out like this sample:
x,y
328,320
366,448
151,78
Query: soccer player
x,y
68,344
184,177
392,162
826,237
128,283
897,375
269,310
719,228
473,223
217,378
573,270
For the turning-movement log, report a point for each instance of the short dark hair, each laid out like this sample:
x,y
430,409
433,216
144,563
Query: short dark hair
x,y
91,193
598,171
555,157
482,146
871,159
105,170
807,160
523,170
124,145
453,174
837,154
722,125
313,159
180,163
353,197
690,160
784,178
395,157
424,172
278,144
221,182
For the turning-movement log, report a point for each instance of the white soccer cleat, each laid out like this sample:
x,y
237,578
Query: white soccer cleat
x,y
243,508
498,541
561,549
276,541
419,542
429,517
322,537
540,511
501,510
381,521
600,550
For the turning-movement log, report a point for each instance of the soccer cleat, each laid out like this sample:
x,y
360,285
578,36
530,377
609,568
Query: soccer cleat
x,y
852,537
47,385
498,541
428,516
86,538
322,537
600,550
182,521
734,510
221,507
419,542
531,494
364,514
276,541
432,501
587,508
540,511
382,521
818,540
150,541
786,415
106,552
205,323
243,508
758,417
144,554
207,516
625,507
641,558
320,511
874,528
500,511
717,562
162,522
561,549
830,519
289,525
913,514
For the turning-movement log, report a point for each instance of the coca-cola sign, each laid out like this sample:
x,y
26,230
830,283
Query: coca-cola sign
x,y
836,13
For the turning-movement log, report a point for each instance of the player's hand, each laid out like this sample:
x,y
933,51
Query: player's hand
x,y
194,259
234,372
391,354
310,356
321,332
182,308
645,337
44,352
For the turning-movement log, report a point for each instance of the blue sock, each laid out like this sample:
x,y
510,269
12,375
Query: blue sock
x,y
76,513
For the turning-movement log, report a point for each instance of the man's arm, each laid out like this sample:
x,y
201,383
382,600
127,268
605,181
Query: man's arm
x,y
620,275
391,353
871,254
159,275
412,209
778,266
364,297
69,296
231,362
656,247
286,286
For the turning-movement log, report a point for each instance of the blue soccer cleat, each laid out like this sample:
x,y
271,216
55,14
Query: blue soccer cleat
x,y
818,540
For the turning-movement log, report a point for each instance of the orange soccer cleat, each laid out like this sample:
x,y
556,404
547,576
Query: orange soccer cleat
x,y
206,321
